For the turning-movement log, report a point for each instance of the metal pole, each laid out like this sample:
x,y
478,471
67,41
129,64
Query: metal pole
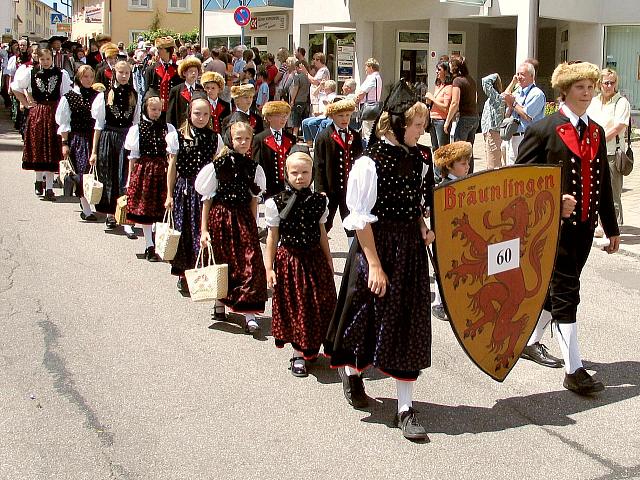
x,y
534,15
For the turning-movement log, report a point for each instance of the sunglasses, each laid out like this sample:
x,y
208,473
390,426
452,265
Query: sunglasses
x,y
608,84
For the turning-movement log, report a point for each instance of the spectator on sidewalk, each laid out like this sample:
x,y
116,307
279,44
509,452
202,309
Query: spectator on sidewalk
x,y
322,74
492,116
369,94
440,100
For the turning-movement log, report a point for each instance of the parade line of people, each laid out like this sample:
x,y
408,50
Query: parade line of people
x,y
181,148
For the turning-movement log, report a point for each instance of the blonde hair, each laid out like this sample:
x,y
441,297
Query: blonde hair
x,y
299,156
418,109
82,70
330,86
606,72
185,128
133,98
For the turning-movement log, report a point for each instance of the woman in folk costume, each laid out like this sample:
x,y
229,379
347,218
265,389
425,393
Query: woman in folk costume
x,y
213,84
147,190
190,148
114,111
105,71
230,187
382,318
162,75
40,88
75,126
304,295
571,139
180,95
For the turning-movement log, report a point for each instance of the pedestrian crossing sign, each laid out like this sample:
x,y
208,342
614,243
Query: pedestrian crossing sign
x,y
56,18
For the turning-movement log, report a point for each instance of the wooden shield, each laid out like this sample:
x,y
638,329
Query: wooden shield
x,y
496,240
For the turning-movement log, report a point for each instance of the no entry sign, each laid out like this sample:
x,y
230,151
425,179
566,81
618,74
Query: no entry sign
x,y
242,16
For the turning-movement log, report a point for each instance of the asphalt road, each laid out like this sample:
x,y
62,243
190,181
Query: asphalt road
x,y
106,372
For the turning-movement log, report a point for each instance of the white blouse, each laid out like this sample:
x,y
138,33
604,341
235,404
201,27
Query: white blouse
x,y
98,112
132,140
22,81
272,216
207,183
173,144
362,193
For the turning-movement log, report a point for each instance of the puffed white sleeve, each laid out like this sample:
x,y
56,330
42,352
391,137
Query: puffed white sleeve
x,y
11,67
173,145
271,214
207,182
260,179
22,79
63,116
325,215
132,142
220,145
362,193
66,84
98,111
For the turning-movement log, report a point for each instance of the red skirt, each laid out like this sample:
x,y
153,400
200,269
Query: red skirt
x,y
42,145
304,298
234,238
147,190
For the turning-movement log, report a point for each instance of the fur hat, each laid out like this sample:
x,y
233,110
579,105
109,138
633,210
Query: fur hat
x,y
341,105
98,87
187,63
102,37
246,90
446,155
215,77
109,50
276,108
567,74
165,42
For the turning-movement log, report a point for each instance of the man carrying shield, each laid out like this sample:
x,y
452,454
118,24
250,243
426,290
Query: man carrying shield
x,y
569,138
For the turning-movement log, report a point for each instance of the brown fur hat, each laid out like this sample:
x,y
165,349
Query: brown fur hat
x,y
344,105
102,37
109,50
446,155
187,63
276,108
215,77
165,42
567,74
246,90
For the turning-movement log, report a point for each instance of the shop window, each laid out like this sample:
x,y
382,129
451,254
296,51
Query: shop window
x,y
327,43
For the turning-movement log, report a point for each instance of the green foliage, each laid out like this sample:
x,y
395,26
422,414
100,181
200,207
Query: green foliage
x,y
190,36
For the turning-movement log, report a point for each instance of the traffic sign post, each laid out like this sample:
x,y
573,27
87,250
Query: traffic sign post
x,y
242,17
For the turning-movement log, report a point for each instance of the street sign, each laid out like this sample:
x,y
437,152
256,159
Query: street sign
x,y
242,16
56,18
64,27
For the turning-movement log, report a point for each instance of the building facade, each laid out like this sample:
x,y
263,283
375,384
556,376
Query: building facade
x,y
8,22
32,18
124,20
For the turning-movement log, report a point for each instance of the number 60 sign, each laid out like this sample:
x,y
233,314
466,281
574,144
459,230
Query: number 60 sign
x,y
503,256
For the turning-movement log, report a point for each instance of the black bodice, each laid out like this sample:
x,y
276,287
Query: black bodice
x,y
236,179
301,228
400,183
45,84
120,113
197,152
152,142
80,106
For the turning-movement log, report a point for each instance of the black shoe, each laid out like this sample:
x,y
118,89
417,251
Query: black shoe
x,y
150,254
297,369
88,218
538,353
439,312
111,223
39,187
183,287
131,235
49,196
582,383
218,314
411,427
353,388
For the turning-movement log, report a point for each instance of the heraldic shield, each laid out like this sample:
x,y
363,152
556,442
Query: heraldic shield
x,y
496,240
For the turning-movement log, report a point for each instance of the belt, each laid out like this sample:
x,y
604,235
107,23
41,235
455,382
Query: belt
x,y
517,134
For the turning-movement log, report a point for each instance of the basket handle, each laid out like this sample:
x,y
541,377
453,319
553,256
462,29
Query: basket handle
x,y
168,215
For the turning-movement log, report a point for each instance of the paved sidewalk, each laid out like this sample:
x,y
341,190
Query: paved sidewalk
x,y
629,232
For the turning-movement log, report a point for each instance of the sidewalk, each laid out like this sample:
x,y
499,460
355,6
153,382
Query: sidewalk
x,y
629,232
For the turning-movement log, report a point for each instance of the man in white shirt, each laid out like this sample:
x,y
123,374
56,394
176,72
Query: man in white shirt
x,y
369,94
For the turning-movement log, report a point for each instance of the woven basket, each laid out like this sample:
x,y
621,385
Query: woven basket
x,y
210,282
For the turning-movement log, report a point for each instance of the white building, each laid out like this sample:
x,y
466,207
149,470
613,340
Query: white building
x,y
8,21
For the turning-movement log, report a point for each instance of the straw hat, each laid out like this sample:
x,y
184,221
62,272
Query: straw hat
x,y
246,90
215,77
276,108
187,63
342,105
446,155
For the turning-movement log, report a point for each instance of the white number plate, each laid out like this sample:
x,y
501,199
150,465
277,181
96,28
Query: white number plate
x,y
503,256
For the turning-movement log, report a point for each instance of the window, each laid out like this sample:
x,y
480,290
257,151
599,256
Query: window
x,y
179,6
140,4
229,42
260,41
133,36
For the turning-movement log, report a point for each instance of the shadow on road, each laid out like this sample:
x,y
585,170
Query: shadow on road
x,y
551,408
626,230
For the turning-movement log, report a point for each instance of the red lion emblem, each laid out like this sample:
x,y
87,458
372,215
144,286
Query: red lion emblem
x,y
499,297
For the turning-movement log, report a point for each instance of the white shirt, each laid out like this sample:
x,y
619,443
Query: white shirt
x,y
610,114
278,137
22,80
98,112
321,75
272,216
207,183
372,86
132,140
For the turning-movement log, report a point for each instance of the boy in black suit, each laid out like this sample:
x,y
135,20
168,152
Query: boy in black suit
x,y
180,95
213,83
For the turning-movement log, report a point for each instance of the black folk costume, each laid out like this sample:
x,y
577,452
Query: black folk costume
x,y
192,155
160,78
105,74
393,332
114,121
73,115
231,181
304,295
220,110
252,118
271,153
42,145
334,153
179,99
147,192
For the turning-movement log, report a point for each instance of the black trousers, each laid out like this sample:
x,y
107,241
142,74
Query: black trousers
x,y
564,291
338,202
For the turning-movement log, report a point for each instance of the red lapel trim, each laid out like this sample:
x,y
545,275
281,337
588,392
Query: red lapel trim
x,y
186,94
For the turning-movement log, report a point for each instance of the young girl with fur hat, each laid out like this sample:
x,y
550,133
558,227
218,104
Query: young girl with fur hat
x,y
190,148
304,295
230,186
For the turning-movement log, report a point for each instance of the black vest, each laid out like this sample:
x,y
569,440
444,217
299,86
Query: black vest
x,y
120,113
152,142
301,228
236,179
45,84
196,153
80,106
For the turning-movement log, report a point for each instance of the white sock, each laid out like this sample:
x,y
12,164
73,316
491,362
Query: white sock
x,y
301,362
219,306
350,240
543,321
350,371
437,300
128,228
405,395
148,235
48,179
39,176
86,208
567,334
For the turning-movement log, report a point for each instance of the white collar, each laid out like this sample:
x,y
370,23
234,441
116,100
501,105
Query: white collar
x,y
213,102
274,131
574,118
190,85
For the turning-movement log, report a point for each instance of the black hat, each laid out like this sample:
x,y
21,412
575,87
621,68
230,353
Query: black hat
x,y
69,45
57,37
400,99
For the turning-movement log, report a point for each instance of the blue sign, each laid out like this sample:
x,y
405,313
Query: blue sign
x,y
56,18
242,16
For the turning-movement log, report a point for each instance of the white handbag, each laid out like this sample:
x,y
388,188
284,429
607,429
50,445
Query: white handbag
x,y
167,237
91,187
66,169
210,282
